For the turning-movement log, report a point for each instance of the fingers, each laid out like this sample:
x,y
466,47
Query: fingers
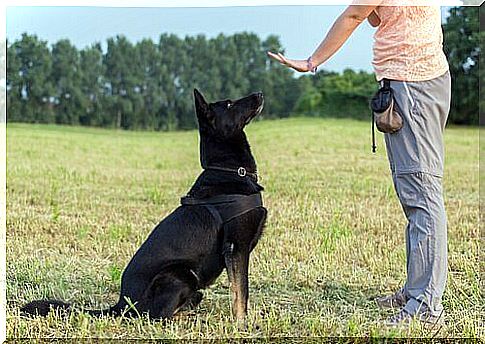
x,y
270,54
277,57
283,58
286,62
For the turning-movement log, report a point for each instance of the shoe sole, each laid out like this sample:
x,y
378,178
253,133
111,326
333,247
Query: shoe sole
x,y
430,326
387,306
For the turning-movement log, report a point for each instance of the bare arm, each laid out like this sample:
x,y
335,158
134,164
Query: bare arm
x,y
341,30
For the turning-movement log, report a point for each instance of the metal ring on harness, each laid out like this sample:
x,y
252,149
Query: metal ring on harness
x,y
241,171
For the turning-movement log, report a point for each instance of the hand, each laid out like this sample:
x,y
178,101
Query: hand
x,y
298,65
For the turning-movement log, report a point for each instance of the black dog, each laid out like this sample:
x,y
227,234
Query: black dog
x,y
217,225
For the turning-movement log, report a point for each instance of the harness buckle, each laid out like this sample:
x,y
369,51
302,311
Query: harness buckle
x,y
241,171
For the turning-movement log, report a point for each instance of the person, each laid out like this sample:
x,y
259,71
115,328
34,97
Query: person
x,y
408,51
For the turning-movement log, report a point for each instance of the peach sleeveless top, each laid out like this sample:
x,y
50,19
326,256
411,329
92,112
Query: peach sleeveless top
x,y
408,44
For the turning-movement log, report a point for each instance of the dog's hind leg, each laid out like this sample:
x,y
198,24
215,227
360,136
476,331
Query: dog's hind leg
x,y
169,292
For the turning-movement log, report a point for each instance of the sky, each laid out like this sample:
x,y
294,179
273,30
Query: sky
x,y
300,28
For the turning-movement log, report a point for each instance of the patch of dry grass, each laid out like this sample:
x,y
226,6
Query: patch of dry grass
x,y
81,201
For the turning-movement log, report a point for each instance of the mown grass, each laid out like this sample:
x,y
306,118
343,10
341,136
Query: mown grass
x,y
81,201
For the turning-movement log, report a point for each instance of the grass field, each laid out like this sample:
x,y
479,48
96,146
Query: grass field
x,y
81,201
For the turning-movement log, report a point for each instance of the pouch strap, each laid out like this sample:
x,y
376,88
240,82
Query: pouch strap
x,y
374,147
386,83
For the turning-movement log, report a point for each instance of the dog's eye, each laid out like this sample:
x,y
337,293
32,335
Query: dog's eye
x,y
229,104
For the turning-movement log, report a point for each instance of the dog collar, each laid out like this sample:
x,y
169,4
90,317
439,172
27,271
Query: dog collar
x,y
240,171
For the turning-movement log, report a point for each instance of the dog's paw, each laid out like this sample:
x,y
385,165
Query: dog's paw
x,y
194,301
248,326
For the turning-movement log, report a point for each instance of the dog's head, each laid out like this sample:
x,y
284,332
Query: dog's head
x,y
226,119
221,128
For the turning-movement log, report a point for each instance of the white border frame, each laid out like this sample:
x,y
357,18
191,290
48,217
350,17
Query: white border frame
x,y
118,3
225,3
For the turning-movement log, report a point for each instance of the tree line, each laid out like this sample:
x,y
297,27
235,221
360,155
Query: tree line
x,y
148,85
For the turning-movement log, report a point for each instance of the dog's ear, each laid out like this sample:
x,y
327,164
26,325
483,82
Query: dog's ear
x,y
202,108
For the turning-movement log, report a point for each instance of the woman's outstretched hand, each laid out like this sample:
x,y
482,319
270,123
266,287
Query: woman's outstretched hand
x,y
298,65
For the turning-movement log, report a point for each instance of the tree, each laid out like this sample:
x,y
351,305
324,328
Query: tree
x,y
91,85
148,72
66,78
279,85
33,65
174,64
251,52
461,44
310,98
148,85
330,94
14,85
120,62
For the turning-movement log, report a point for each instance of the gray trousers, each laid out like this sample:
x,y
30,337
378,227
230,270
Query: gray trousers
x,y
416,157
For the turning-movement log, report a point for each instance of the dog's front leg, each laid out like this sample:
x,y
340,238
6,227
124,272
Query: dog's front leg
x,y
237,265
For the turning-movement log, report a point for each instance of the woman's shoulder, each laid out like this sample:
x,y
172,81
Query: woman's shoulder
x,y
405,10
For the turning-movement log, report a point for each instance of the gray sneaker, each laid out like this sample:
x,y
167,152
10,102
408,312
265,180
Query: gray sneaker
x,y
426,319
396,300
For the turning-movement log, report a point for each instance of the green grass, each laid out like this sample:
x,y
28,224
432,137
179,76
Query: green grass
x,y
81,201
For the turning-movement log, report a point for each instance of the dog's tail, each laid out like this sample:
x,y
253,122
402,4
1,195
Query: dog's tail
x,y
43,307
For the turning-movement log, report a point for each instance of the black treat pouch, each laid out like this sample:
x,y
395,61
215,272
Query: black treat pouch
x,y
386,118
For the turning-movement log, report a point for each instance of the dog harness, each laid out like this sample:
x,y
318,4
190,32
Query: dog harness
x,y
224,208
